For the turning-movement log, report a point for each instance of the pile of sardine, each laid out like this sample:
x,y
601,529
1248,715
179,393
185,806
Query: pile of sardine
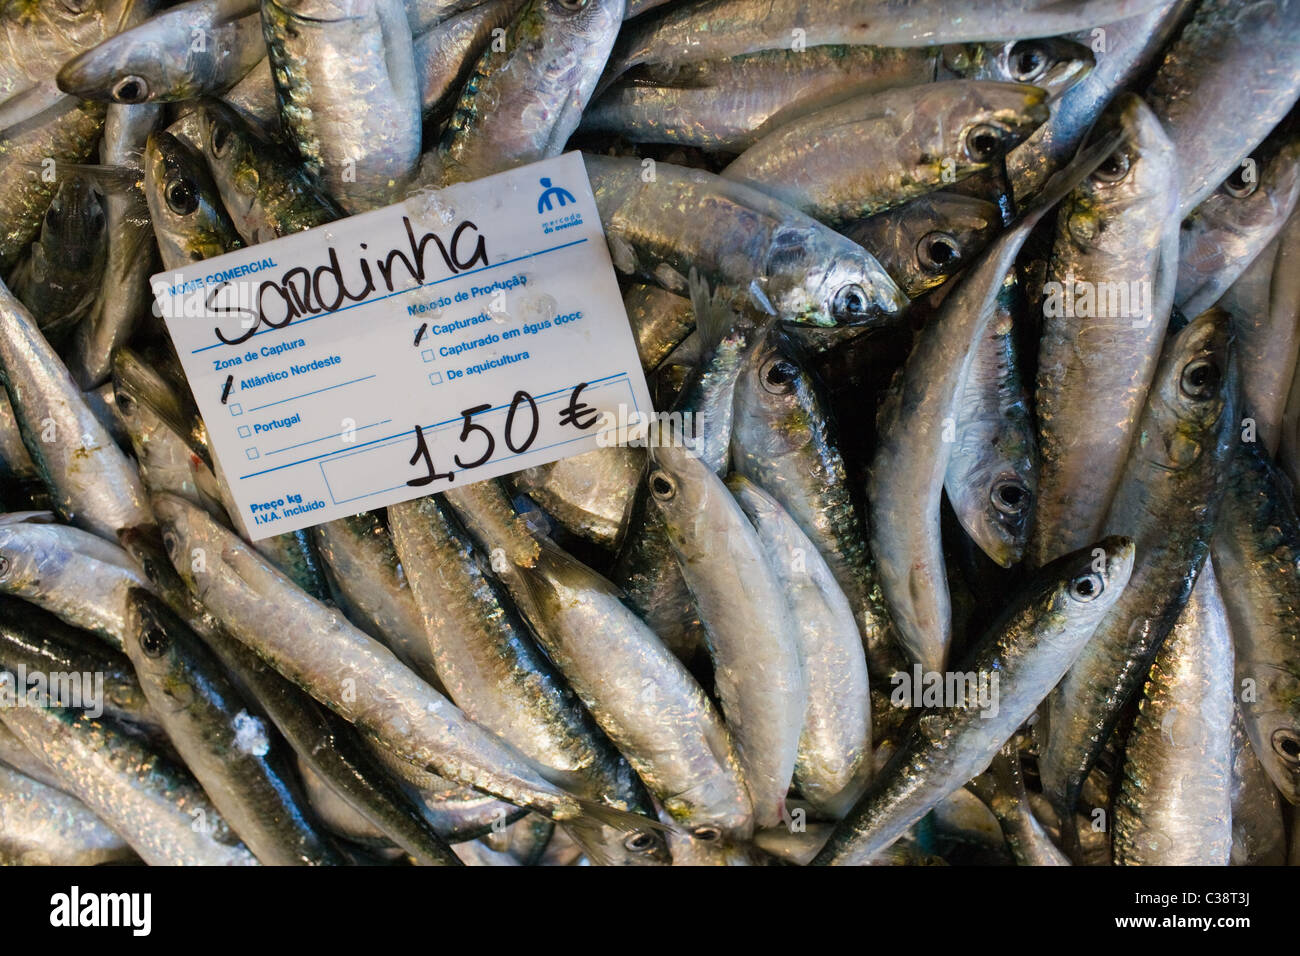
x,y
970,535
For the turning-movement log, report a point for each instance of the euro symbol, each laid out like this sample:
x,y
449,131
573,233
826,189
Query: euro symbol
x,y
571,413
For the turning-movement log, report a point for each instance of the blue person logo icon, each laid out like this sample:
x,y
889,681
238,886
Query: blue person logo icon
x,y
558,193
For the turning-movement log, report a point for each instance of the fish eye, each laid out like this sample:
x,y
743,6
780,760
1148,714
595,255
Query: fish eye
x,y
131,89
1286,744
573,6
662,486
1010,497
181,196
1086,587
640,841
77,6
778,375
1199,380
220,139
171,545
1239,185
154,642
1113,168
1026,61
850,303
54,216
937,251
982,143
125,404
707,834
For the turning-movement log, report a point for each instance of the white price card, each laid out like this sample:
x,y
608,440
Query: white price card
x,y
460,335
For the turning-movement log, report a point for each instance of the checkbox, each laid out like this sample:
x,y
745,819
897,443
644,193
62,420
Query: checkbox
x,y
236,408
244,431
435,378
252,453
427,355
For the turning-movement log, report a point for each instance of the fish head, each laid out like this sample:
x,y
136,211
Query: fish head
x,y
31,556
776,403
925,242
1053,64
1140,172
1261,191
119,70
158,644
979,121
74,225
229,144
1275,721
189,220
192,539
1087,583
1192,395
816,277
678,482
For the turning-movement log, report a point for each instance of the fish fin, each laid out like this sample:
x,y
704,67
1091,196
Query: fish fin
x,y
28,517
626,821
713,316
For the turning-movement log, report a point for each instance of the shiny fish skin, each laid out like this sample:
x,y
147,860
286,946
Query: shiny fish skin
x,y
1002,789
67,134
750,629
156,806
1030,646
42,643
73,574
835,759
263,188
1174,806
60,281
92,483
1265,307
445,54
1093,372
785,442
522,104
1232,227
494,671
1258,832
370,585
160,61
1226,47
922,137
316,648
1167,499
660,321
131,258
184,205
905,481
37,36
707,29
333,751
1256,551
1130,46
230,750
926,241
657,230
729,104
644,699
589,495
992,476
42,826
345,76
